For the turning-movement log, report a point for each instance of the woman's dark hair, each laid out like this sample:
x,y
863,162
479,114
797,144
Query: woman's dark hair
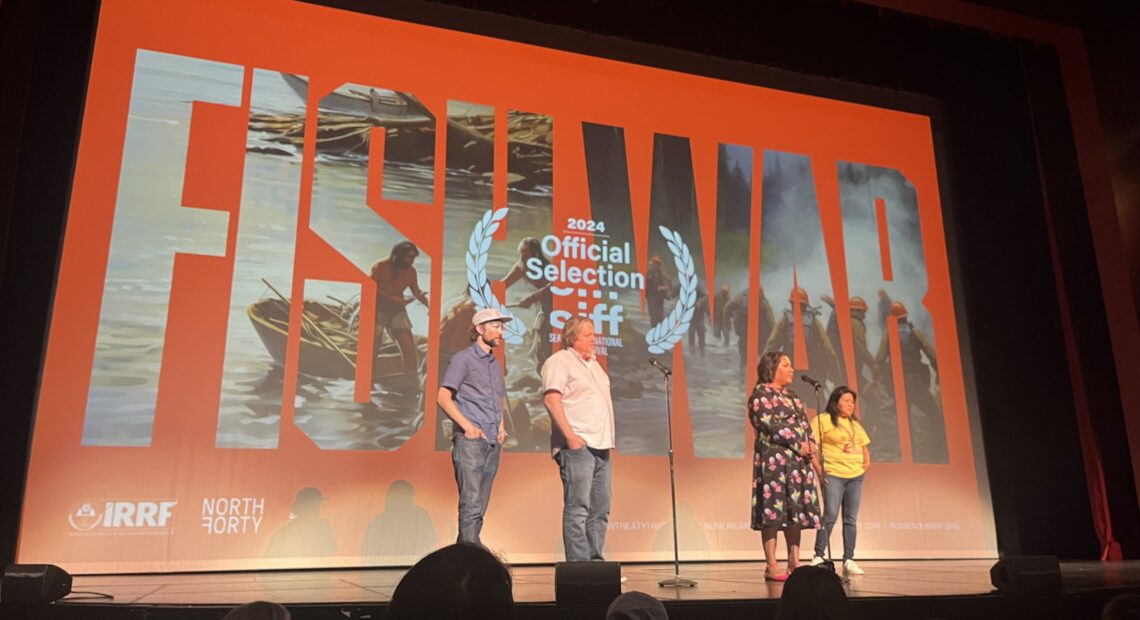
x,y
833,403
766,369
459,581
814,593
258,610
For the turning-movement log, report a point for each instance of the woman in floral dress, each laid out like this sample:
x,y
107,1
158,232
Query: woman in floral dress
x,y
783,480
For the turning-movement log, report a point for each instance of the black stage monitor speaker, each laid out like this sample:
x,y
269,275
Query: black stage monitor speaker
x,y
586,584
1027,574
34,583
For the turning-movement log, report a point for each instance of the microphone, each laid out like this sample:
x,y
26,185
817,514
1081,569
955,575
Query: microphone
x,y
812,382
659,366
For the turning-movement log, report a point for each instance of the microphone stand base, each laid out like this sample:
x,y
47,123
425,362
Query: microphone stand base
x,y
677,582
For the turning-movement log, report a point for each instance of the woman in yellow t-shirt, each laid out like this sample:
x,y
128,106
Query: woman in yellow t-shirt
x,y
845,462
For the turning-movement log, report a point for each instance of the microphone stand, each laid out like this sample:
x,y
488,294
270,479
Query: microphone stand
x,y
676,581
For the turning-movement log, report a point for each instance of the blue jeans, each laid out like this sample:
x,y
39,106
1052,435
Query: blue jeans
x,y
476,462
845,492
586,477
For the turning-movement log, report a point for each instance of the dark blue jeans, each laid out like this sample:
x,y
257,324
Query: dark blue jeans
x,y
586,478
845,492
476,462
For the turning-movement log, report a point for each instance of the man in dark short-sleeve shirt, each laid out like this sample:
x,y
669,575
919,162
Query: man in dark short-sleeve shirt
x,y
474,395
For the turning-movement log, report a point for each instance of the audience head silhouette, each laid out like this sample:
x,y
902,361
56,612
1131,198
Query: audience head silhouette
x,y
813,593
636,606
459,581
1122,607
258,610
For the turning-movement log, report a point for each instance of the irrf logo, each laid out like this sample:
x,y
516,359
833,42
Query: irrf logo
x,y
120,514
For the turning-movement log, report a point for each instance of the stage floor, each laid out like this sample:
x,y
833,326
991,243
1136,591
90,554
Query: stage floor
x,y
722,581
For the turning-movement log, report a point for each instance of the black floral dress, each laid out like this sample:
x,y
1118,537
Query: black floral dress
x,y
783,483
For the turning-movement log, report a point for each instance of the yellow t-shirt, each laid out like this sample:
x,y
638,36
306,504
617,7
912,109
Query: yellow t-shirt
x,y
842,445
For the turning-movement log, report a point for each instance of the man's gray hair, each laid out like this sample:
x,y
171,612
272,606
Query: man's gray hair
x,y
571,330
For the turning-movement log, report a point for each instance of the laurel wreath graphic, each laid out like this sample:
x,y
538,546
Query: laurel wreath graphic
x,y
664,335
477,247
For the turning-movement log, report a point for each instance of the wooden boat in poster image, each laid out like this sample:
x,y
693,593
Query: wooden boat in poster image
x,y
348,115
329,340
365,101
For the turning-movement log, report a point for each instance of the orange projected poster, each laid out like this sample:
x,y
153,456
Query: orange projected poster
x,y
284,216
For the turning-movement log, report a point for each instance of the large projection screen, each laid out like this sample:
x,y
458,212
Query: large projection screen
x,y
224,388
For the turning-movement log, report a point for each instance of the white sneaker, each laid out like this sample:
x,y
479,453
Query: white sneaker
x,y
816,561
851,568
